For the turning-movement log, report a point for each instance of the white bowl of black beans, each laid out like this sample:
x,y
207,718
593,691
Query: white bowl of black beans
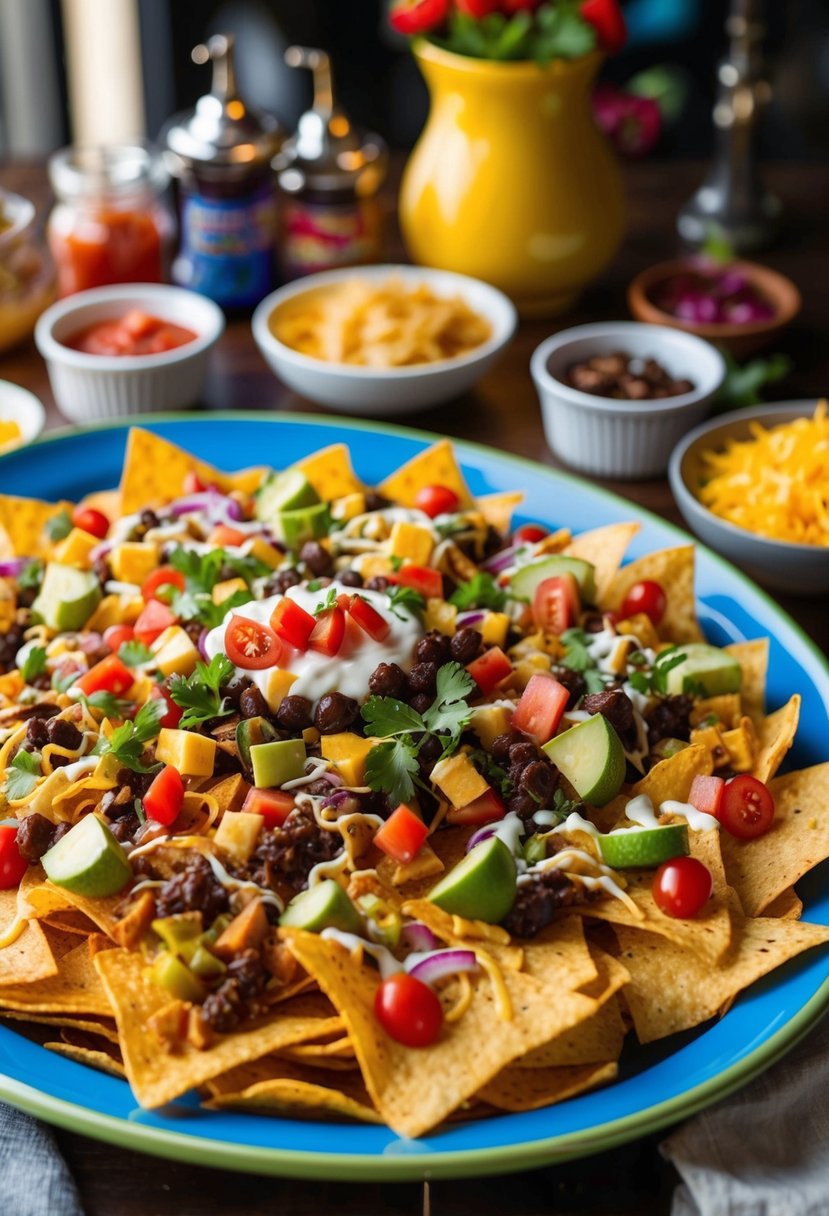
x,y
617,396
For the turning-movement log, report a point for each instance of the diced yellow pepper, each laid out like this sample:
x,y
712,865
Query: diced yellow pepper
x,y
742,746
193,755
348,507
175,654
348,752
709,737
372,565
494,628
265,553
440,615
459,780
279,685
223,591
237,834
490,721
74,549
411,541
132,561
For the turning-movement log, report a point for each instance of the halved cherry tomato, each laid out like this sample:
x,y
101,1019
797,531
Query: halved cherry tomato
x,y
273,805
541,707
401,835
164,576
607,20
487,808
173,713
417,16
192,483
91,521
110,675
556,603
329,631
116,635
747,808
706,794
408,1010
223,535
13,865
529,534
368,618
647,597
165,797
422,579
477,8
489,669
292,623
436,500
681,887
252,645
152,622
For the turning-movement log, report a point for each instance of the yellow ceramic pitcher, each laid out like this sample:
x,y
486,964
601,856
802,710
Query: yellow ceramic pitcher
x,y
511,181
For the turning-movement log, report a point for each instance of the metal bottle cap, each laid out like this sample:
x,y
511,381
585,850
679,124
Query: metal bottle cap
x,y
328,152
222,137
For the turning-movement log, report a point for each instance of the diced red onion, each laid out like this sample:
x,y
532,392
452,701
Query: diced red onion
x,y
331,777
88,643
201,644
501,560
480,836
13,567
101,550
215,505
470,618
419,936
337,798
441,964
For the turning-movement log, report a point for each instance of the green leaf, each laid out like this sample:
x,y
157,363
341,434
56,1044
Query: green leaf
x,y
576,655
59,526
31,576
34,664
392,767
127,741
742,385
109,705
408,598
481,591
385,716
22,774
61,683
449,712
198,694
330,601
396,562
133,654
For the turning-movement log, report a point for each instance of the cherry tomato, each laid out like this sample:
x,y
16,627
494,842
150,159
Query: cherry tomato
x,y
292,623
173,713
164,576
165,797
223,537
116,635
422,579
681,887
13,864
747,808
436,500
329,631
529,534
401,835
477,8
368,618
91,521
487,808
706,794
273,805
489,669
556,603
647,597
541,707
607,20
417,16
408,1010
152,622
252,645
192,483
110,675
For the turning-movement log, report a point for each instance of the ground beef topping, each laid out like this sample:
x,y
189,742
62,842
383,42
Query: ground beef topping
x,y
537,901
194,889
285,856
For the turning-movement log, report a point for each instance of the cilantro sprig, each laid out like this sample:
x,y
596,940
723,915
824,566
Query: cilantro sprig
x,y
22,775
480,591
330,601
198,694
408,598
34,664
134,653
31,576
202,571
127,742
108,704
655,680
578,658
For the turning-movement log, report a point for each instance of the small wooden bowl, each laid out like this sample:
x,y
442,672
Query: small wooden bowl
x,y
740,340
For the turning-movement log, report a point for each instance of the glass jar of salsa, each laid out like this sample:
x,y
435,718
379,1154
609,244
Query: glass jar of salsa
x,y
110,223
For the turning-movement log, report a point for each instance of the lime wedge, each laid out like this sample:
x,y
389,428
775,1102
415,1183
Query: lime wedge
x,y
88,860
644,848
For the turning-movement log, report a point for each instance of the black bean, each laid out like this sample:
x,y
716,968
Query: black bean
x,y
388,680
377,583
501,745
350,578
335,713
294,713
34,836
281,580
36,732
125,827
252,704
316,558
375,501
63,733
539,779
433,648
465,645
236,687
420,702
423,678
523,753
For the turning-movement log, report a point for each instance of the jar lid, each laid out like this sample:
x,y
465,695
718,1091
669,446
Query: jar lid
x,y
106,172
222,136
328,152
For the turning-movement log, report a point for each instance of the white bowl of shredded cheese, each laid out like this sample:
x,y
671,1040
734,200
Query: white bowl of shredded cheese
x,y
754,485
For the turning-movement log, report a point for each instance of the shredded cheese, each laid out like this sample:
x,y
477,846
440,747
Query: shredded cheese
x,y
776,483
503,1002
456,1011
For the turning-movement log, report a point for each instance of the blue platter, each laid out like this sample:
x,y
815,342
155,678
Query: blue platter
x,y
657,1086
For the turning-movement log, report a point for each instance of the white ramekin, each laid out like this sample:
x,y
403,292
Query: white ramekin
x,y
623,439
90,388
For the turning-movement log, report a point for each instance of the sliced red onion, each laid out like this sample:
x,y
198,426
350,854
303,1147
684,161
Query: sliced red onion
x,y
101,550
201,644
88,643
419,936
470,618
501,560
440,964
217,506
13,567
338,798
331,777
480,836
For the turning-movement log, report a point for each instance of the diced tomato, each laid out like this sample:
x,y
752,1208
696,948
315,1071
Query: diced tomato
x,y
647,597
292,623
165,797
529,534
747,808
192,483
368,618
155,618
487,808
556,604
273,805
164,576
489,669
401,835
706,794
110,675
541,707
408,1010
223,536
138,324
328,632
423,579
116,635
438,500
13,865
91,521
252,645
412,17
173,713
608,21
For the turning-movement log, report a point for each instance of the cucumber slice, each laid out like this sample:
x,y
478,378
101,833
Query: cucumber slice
x,y
591,757
88,860
525,580
67,598
287,491
325,906
646,848
707,668
482,886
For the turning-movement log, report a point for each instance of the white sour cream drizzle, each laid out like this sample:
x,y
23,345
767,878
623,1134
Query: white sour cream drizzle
x,y
385,960
317,674
640,811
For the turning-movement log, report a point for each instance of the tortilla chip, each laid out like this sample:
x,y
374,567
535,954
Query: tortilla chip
x,y
517,1089
775,735
101,1027
434,466
497,509
562,950
286,1088
673,989
726,708
28,958
762,869
669,779
414,1090
75,989
100,911
600,1037
230,792
787,906
155,469
673,569
330,472
753,658
338,1054
23,525
157,1076
92,1058
604,548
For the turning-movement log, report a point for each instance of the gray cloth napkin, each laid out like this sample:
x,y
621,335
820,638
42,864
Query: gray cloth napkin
x,y
34,1178
764,1151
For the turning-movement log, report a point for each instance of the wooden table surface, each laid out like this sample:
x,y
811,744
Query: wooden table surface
x,y
503,412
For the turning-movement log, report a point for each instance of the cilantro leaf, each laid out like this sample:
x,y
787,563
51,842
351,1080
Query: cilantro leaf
x,y
133,654
452,525
329,602
449,712
576,655
392,767
198,694
480,591
31,576
61,683
59,526
396,562
655,681
408,598
34,664
109,705
22,774
126,743
385,716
